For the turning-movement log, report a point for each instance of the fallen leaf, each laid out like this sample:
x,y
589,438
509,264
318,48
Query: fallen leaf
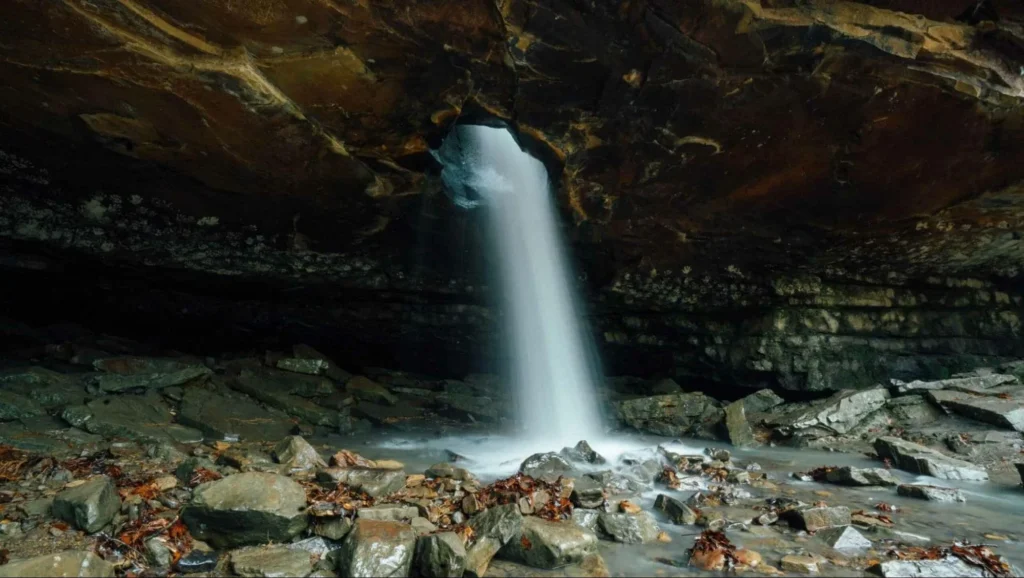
x,y
628,507
525,543
664,537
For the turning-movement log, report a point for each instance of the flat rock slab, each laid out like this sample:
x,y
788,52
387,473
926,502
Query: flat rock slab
x,y
918,459
376,548
948,567
843,538
931,493
388,513
593,566
66,563
276,390
741,434
89,506
839,413
137,373
1007,413
295,454
639,528
248,508
135,417
814,519
219,416
849,476
375,482
972,383
366,389
681,414
271,562
544,544
440,555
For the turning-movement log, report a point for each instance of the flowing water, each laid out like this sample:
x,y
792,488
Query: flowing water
x,y
550,372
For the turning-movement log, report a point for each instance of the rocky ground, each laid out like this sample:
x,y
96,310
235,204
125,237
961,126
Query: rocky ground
x,y
120,460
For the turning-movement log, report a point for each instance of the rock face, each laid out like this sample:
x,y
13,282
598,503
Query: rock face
x,y
248,508
1003,412
89,506
376,548
639,528
919,459
948,567
270,562
440,555
544,544
850,476
67,563
683,414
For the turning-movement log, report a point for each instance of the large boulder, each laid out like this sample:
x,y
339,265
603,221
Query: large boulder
x,y
492,529
281,391
544,544
839,414
1006,412
948,567
375,482
676,511
271,561
366,389
741,434
546,466
375,548
135,417
296,455
248,508
66,563
814,519
440,555
140,373
918,459
638,528
89,506
681,414
850,476
222,415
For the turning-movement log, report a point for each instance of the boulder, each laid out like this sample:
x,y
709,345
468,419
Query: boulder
x,y
366,389
971,383
838,414
138,373
375,548
198,562
585,518
1003,412
388,513
332,528
493,529
814,519
375,482
329,367
592,566
948,567
919,459
89,506
14,406
799,564
281,391
761,401
582,453
134,417
546,466
247,508
638,528
912,410
681,414
545,544
231,416
271,562
741,434
843,538
931,493
446,470
677,512
66,563
300,365
850,476
296,455
587,492
440,556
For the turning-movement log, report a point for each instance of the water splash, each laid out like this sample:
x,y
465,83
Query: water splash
x,y
484,166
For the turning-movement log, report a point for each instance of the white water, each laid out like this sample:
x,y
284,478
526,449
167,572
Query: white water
x,y
558,403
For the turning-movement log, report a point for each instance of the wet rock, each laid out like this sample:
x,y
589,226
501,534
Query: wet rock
x,y
375,548
1007,413
440,556
366,389
388,513
500,522
463,400
247,508
422,526
814,519
972,383
330,368
677,512
592,566
836,415
270,561
582,452
134,417
376,483
334,528
187,468
281,391
138,373
585,518
40,507
638,528
931,493
231,416
919,459
850,476
741,434
89,506
197,561
158,553
912,409
800,564
479,557
1020,471
300,365
66,563
761,401
296,455
682,414
317,547
14,406
712,520
587,493
545,466
544,544
948,567
843,538
446,470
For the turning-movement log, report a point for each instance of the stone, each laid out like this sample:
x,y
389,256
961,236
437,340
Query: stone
x,y
375,548
931,493
583,453
587,492
838,414
912,410
1020,471
388,513
675,415
440,555
799,564
197,562
500,522
134,417
39,507
712,520
592,566
422,526
585,518
736,424
638,528
159,553
300,365
89,506
972,383
446,470
332,528
296,455
546,466
919,459
948,567
66,563
288,393
843,538
677,512
366,389
14,407
761,401
1007,413
814,519
376,483
270,561
222,416
247,508
547,544
330,368
479,557
139,373
850,476
187,468
317,547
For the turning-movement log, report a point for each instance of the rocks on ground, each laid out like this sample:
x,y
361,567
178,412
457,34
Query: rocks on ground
x,y
441,555
674,415
546,544
271,561
919,459
88,506
931,493
67,563
247,508
375,548
638,528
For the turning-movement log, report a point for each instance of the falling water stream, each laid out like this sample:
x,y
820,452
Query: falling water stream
x,y
557,401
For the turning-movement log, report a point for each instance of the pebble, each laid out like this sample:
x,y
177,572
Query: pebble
x,y
800,564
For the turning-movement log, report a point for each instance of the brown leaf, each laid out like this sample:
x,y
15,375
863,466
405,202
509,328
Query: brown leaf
x,y
526,543
347,459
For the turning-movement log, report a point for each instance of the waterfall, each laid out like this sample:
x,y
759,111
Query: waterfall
x,y
485,167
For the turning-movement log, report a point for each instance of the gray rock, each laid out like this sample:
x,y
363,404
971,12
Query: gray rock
x,y
334,528
135,417
247,508
40,507
978,382
89,506
836,415
546,466
912,410
158,553
843,538
271,561
366,389
761,401
737,426
799,564
479,557
639,528
305,366
931,493
280,390
1007,413
1020,471
376,483
814,519
388,513
376,548
318,547
587,492
500,522
681,414
677,512
66,563
14,406
585,518
296,455
544,544
331,370
187,468
948,567
440,556
222,415
132,373
919,459
446,470
422,526
582,452
850,476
